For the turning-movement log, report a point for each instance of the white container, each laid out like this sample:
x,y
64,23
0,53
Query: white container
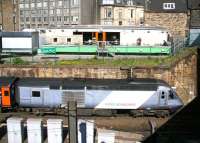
x,y
85,131
15,130
34,129
106,137
55,130
90,131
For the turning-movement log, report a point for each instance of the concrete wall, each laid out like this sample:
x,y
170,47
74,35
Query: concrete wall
x,y
175,23
182,75
8,10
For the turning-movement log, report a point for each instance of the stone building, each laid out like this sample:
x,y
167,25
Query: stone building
x,y
170,14
9,14
56,13
121,12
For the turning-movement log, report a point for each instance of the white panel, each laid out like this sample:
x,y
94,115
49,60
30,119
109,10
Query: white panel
x,y
15,130
85,131
106,137
34,129
17,43
117,99
54,130
90,131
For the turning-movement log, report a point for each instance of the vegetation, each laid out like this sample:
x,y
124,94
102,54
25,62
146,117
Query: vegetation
x,y
149,61
142,61
19,61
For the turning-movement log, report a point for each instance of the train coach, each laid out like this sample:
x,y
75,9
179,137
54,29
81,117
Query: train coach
x,y
99,94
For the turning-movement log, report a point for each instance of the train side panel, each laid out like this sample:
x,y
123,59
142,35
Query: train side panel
x,y
101,99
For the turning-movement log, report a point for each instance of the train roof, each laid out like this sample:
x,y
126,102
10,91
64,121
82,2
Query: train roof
x,y
5,81
74,83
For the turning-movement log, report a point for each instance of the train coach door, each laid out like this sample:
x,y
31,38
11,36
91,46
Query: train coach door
x,y
163,98
6,100
37,97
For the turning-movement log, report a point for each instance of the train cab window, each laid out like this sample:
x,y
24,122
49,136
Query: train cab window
x,y
171,95
6,93
35,93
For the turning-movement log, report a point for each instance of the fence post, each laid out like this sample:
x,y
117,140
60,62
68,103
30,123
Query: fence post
x,y
72,121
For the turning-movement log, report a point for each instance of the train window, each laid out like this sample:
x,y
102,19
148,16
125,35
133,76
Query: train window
x,y
6,93
55,39
35,93
171,95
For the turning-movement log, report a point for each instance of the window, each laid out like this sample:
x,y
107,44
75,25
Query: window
x,y
59,3
33,5
120,14
33,19
68,39
108,2
27,19
118,1
26,5
21,6
35,93
6,93
167,6
39,4
66,18
108,12
59,18
58,11
45,19
51,11
171,95
132,11
55,39
45,4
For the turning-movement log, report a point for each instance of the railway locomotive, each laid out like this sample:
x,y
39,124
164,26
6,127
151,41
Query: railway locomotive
x,y
116,95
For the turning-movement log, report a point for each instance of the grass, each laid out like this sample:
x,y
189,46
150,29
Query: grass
x,y
148,61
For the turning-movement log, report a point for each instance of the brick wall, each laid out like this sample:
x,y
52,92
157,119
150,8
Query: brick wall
x,y
8,9
175,23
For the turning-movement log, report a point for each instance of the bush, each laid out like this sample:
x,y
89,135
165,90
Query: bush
x,y
19,61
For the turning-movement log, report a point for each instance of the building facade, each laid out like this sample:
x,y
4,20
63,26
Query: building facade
x,y
9,14
56,13
121,12
169,14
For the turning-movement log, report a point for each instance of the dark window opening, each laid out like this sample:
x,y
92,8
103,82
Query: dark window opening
x,y
162,97
68,39
77,33
35,93
6,93
171,95
120,22
55,39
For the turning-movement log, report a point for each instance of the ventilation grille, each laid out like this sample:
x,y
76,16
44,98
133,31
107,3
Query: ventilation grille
x,y
77,96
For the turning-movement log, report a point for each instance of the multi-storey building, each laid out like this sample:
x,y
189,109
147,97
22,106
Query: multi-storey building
x,y
121,12
9,14
56,13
